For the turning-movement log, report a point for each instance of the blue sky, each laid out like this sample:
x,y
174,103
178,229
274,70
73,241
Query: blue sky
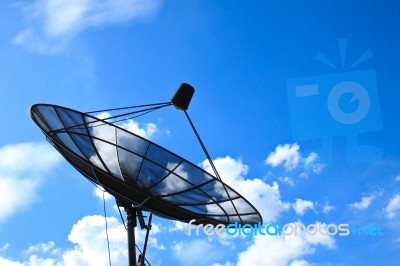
x,y
296,102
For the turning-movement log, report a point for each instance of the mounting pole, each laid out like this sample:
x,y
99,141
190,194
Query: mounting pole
x,y
131,224
133,213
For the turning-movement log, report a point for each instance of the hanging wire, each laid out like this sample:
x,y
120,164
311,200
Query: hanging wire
x,y
105,218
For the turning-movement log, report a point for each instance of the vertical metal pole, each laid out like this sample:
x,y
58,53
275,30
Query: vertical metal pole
x,y
131,224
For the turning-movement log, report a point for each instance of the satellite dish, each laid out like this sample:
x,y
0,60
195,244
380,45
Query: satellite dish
x,y
139,173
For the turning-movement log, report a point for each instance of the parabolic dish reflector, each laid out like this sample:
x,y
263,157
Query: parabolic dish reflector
x,y
136,170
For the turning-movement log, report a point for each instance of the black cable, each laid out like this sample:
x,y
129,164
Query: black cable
x,y
105,218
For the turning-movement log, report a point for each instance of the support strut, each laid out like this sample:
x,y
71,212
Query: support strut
x,y
132,215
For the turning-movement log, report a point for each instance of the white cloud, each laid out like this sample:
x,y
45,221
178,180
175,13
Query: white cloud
x,y
225,240
310,159
266,198
90,245
5,262
365,201
4,247
310,163
397,178
327,208
228,263
33,261
282,252
363,204
53,23
301,206
99,193
393,207
299,263
178,227
27,158
37,261
290,157
22,168
286,180
11,200
196,252
287,154
42,248
51,255
89,237
146,132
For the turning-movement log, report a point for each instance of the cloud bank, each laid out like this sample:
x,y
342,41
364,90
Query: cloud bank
x,y
22,168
